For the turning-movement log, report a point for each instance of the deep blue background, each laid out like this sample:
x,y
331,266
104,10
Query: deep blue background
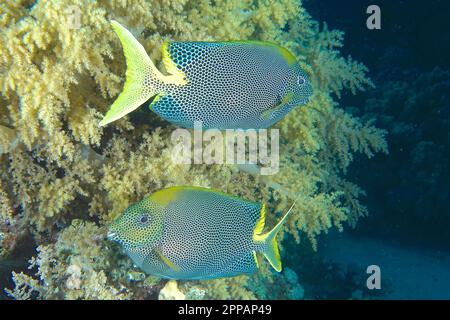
x,y
408,198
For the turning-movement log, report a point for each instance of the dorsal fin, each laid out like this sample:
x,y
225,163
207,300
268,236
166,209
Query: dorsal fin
x,y
259,226
181,55
168,62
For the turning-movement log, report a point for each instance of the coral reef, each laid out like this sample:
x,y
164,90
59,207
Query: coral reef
x,y
171,292
63,178
72,268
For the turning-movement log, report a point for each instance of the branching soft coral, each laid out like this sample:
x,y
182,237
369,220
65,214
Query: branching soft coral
x,y
320,48
72,268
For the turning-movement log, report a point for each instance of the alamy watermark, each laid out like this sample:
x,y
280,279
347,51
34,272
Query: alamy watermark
x,y
232,146
373,22
374,280
73,17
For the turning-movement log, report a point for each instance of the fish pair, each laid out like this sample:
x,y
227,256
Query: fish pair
x,y
191,232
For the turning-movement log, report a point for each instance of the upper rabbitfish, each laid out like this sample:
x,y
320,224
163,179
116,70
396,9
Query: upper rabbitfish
x,y
223,85
196,233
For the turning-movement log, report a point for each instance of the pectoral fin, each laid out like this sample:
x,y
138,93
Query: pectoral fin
x,y
269,113
167,261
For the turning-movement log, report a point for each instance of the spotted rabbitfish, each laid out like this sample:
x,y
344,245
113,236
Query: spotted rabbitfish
x,y
223,85
196,233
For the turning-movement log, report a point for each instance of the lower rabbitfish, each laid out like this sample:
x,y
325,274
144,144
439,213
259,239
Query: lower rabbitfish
x,y
196,233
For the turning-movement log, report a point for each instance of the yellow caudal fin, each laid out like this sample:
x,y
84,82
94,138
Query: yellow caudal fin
x,y
136,90
142,77
268,240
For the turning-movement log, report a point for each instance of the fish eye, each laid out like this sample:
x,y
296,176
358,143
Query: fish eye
x,y
301,80
143,219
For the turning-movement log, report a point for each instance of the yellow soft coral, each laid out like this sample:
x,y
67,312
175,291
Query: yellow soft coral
x,y
72,268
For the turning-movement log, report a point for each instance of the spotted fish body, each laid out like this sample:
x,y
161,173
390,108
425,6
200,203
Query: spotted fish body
x,y
224,85
195,233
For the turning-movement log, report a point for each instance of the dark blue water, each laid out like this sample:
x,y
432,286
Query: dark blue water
x,y
408,191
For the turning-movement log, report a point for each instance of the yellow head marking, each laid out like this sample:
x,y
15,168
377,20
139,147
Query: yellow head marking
x,y
164,197
287,55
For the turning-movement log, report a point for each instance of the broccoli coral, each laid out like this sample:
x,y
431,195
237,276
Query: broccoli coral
x,y
58,165
72,268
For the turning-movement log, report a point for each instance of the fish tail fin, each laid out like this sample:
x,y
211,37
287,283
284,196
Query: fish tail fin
x,y
270,245
140,69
